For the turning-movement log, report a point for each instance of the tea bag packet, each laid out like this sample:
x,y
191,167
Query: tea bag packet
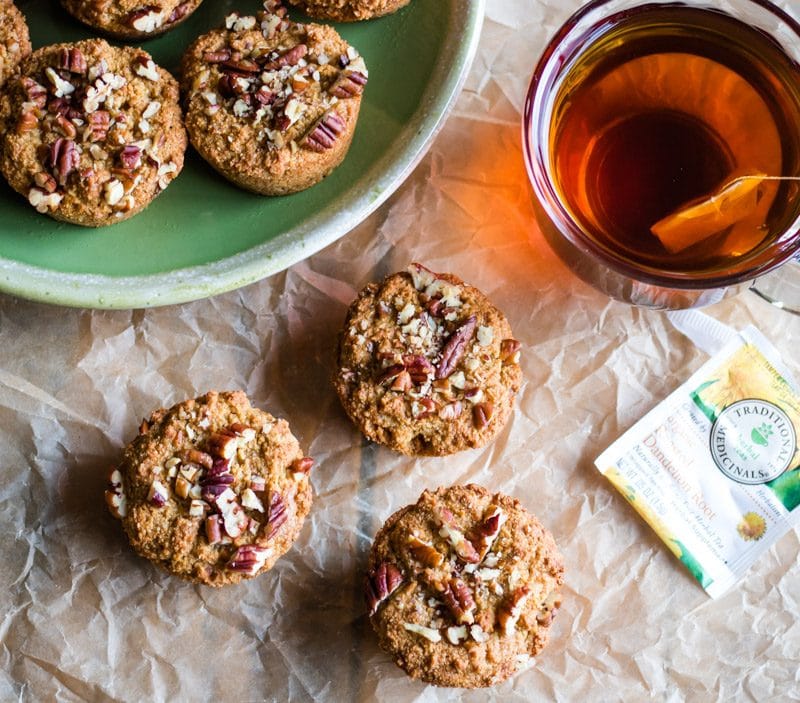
x,y
715,468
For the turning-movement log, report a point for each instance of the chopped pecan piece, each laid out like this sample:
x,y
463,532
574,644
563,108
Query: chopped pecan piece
x,y
145,19
179,12
458,599
72,60
240,430
130,157
223,444
390,373
249,559
45,181
455,347
66,127
213,529
402,383
449,530
216,480
483,535
349,85
549,610
509,351
182,487
63,159
418,367
302,466
217,56
28,121
195,456
381,583
264,96
99,122
287,58
482,414
323,135
509,612
34,92
158,494
115,495
424,552
229,87
424,407
277,514
451,411
240,66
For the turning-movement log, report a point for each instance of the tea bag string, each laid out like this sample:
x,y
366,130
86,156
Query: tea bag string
x,y
759,178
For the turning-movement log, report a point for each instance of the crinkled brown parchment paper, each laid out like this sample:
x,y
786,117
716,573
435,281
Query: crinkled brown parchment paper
x,y
83,618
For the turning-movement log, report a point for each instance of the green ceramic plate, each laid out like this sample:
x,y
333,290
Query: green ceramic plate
x,y
203,236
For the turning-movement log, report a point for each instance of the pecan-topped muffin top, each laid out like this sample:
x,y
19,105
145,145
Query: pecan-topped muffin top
x,y
272,104
427,365
92,132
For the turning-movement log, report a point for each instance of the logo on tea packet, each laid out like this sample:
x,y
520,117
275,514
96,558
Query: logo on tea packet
x,y
753,441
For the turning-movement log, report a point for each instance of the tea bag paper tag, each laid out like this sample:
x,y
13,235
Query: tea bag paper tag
x,y
706,333
714,469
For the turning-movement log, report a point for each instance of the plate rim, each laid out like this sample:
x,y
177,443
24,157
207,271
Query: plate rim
x,y
98,291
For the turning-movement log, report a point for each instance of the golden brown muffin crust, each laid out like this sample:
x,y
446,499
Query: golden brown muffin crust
x,y
427,365
131,19
212,490
349,10
463,587
93,132
272,104
15,43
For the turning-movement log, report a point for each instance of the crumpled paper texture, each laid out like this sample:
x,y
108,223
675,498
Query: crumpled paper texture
x,y
83,618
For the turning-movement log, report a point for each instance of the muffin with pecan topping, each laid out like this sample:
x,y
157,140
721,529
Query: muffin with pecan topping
x,y
463,587
92,132
427,365
131,19
213,490
272,104
349,10
15,43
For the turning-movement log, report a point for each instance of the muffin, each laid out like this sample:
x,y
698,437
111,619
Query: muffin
x,y
463,587
131,20
272,104
213,490
426,364
93,133
15,43
349,10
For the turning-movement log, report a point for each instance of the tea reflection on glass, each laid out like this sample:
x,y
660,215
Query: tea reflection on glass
x,y
662,139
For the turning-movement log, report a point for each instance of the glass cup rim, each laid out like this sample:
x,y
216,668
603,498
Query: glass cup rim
x,y
539,174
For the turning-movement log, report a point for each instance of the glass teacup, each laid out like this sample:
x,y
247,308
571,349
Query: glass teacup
x,y
661,138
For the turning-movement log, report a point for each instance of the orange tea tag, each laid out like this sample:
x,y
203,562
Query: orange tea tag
x,y
700,219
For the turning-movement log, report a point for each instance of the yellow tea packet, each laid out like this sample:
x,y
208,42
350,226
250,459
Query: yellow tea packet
x,y
715,468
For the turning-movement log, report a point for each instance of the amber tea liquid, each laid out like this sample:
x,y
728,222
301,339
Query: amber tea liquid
x,y
665,107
